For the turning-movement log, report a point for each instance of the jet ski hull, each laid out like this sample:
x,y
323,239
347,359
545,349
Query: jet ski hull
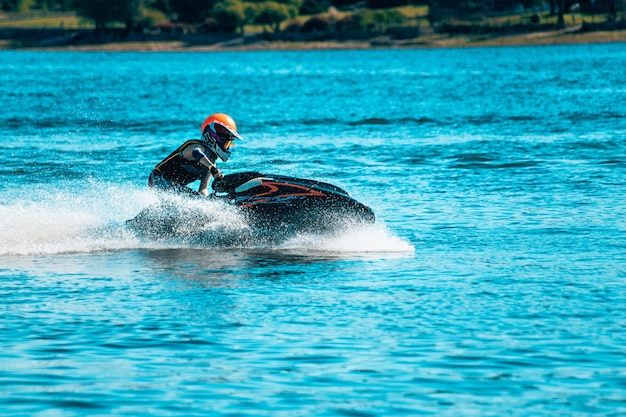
x,y
275,201
268,203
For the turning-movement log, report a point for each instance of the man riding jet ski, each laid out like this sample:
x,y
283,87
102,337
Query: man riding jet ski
x,y
195,159
267,201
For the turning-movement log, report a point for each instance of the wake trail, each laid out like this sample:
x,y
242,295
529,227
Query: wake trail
x,y
64,221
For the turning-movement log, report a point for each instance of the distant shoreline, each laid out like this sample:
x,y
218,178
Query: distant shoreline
x,y
566,37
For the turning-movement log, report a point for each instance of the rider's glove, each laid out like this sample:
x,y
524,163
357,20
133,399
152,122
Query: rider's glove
x,y
217,174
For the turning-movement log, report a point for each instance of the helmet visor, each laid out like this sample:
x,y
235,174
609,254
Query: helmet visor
x,y
221,135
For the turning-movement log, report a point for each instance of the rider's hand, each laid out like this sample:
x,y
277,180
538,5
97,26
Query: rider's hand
x,y
217,174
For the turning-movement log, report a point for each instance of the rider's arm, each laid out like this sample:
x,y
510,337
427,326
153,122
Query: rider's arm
x,y
196,152
204,185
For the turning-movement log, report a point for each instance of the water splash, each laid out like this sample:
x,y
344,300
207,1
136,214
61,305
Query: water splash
x,y
65,221
358,239
95,220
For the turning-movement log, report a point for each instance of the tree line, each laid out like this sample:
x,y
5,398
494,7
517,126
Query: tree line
x,y
234,15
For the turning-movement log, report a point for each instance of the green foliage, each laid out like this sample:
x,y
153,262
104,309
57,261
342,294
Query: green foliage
x,y
190,11
377,20
313,7
361,15
385,4
272,13
164,6
295,3
341,3
151,17
232,15
101,12
316,24
24,6
131,13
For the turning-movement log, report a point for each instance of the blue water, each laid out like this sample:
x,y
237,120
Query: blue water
x,y
493,282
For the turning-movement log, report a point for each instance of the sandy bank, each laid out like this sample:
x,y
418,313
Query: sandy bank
x,y
381,42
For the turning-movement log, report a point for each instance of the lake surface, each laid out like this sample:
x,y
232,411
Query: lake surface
x,y
493,282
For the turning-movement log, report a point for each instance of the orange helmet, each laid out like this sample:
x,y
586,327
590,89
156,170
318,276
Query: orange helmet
x,y
218,132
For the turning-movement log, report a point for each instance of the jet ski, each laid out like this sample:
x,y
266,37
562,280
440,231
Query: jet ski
x,y
267,202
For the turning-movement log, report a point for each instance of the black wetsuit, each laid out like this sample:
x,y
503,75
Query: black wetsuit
x,y
175,171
